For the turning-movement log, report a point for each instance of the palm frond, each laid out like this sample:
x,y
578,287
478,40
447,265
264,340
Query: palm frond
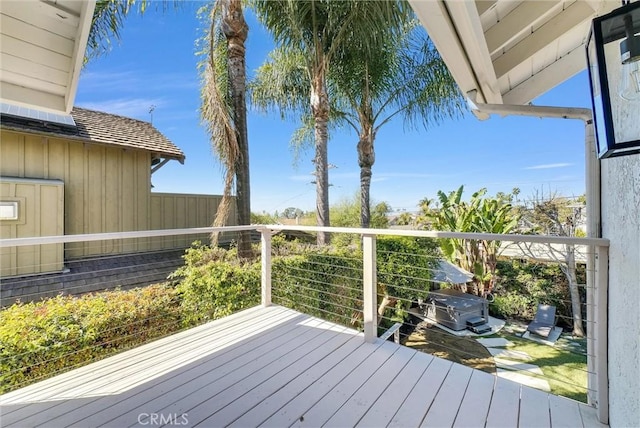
x,y
282,84
108,19
215,108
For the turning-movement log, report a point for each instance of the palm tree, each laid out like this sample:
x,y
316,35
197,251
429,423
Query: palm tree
x,y
223,108
316,30
108,18
408,79
223,92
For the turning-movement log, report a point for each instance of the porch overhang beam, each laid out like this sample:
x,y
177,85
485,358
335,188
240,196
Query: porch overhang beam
x,y
162,163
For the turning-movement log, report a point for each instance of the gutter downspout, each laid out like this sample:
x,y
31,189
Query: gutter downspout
x,y
597,370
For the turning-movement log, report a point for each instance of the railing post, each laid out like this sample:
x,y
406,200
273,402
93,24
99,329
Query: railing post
x,y
601,332
370,295
266,266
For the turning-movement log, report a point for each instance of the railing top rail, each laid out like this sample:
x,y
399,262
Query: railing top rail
x,y
86,237
546,239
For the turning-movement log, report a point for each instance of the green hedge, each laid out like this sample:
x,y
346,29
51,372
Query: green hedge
x,y
327,282
40,339
213,283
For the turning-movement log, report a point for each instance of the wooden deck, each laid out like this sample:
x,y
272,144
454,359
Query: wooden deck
x,y
276,367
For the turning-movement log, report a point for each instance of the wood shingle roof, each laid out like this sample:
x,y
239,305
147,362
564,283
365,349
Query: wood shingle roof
x,y
103,128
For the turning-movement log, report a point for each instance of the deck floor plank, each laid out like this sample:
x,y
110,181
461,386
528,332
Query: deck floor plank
x,y
414,408
393,396
505,404
259,370
534,408
564,412
353,409
271,404
322,411
590,417
444,409
276,367
271,333
183,398
296,408
274,382
475,403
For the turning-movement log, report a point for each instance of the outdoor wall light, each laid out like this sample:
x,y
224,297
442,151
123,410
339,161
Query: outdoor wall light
x,y
613,58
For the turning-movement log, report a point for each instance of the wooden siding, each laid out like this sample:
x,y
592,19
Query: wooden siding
x,y
33,196
275,367
181,211
106,189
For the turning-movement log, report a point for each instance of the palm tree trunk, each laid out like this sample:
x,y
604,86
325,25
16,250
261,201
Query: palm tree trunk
x,y
235,30
366,159
320,110
569,269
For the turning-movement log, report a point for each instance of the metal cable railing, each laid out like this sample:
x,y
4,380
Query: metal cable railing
x,y
404,285
85,307
329,283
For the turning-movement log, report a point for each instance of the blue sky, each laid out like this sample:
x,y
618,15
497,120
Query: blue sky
x,y
155,65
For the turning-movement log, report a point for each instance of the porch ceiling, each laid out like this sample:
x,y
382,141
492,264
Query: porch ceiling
x,y
42,46
510,51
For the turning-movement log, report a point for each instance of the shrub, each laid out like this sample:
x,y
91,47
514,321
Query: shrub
x,y
404,266
323,282
524,284
213,283
40,339
512,305
327,282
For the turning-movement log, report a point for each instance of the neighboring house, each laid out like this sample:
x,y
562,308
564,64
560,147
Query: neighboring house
x,y
93,176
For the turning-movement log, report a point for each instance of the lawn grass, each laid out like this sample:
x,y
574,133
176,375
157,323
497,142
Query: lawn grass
x,y
566,371
564,365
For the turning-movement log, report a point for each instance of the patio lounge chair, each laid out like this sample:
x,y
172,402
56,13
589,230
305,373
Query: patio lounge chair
x,y
544,321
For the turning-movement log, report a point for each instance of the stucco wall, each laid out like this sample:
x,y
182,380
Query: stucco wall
x,y
621,225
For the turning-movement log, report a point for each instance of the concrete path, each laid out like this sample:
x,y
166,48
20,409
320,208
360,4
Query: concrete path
x,y
516,366
493,342
517,371
516,355
523,379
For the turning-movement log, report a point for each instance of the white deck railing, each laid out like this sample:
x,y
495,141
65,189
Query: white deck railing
x,y
597,265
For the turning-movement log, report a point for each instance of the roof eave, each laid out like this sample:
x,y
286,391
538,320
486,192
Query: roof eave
x,y
80,48
52,134
452,26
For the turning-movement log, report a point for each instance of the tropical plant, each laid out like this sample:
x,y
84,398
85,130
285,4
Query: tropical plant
x,y
404,219
223,107
107,21
480,215
310,36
